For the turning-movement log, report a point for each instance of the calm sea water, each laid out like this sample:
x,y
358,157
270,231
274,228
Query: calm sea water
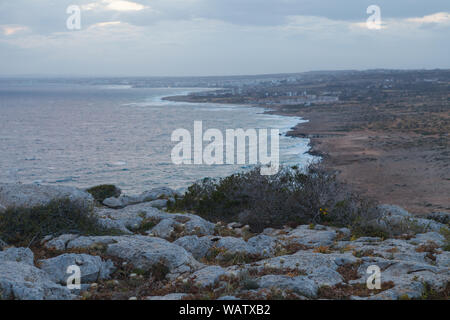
x,y
82,135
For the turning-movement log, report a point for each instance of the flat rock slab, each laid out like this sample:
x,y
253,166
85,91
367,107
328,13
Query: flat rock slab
x,y
311,237
198,246
300,285
147,196
233,245
32,195
131,217
92,268
21,281
207,276
408,276
264,245
397,221
142,251
22,255
170,297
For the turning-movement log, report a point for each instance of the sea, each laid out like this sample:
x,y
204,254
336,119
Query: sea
x,y
83,134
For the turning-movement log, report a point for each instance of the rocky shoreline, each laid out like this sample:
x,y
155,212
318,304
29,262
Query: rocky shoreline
x,y
156,255
382,159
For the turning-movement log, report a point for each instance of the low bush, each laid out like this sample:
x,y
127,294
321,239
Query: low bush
x,y
25,226
291,197
104,191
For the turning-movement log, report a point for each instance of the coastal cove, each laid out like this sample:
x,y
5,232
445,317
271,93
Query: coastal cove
x,y
83,135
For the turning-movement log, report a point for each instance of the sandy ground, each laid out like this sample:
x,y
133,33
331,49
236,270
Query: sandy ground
x,y
391,166
379,165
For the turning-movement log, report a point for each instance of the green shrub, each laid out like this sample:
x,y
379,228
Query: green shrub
x,y
446,233
291,197
159,271
362,230
24,226
146,225
104,191
250,284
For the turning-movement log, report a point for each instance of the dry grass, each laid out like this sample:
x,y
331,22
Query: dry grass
x,y
349,271
276,271
323,250
345,291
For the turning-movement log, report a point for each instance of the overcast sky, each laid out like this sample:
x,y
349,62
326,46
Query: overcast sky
x,y
220,37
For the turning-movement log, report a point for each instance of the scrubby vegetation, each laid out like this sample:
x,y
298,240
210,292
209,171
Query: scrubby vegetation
x,y
104,191
343,291
291,197
25,226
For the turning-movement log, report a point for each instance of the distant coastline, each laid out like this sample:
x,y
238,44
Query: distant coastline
x,y
187,97
374,156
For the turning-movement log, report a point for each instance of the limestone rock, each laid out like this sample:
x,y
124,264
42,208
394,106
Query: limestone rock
x,y
300,284
207,276
147,196
234,246
92,268
159,204
311,237
21,281
422,238
132,216
441,217
392,210
142,251
22,255
60,243
31,195
264,245
397,221
228,298
171,296
198,246
121,202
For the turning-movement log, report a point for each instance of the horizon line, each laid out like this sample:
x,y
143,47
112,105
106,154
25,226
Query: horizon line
x,y
37,75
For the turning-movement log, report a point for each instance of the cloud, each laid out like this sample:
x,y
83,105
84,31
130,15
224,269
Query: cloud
x,y
105,24
408,24
114,5
9,30
188,37
440,17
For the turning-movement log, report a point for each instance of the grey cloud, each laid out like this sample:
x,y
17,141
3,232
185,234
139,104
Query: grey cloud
x,y
231,37
46,16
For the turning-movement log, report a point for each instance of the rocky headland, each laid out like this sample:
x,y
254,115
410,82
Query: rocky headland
x,y
141,251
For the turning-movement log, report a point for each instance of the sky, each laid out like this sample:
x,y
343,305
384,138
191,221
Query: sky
x,y
220,37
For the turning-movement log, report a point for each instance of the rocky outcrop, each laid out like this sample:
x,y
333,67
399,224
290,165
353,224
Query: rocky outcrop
x,y
143,252
300,284
207,276
21,280
198,246
148,196
32,195
170,297
397,221
441,217
187,257
92,268
21,255
160,224
315,237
